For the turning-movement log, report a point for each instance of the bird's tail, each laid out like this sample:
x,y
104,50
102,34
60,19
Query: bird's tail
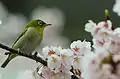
x,y
10,57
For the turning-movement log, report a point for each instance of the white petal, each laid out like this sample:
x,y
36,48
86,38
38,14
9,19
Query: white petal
x,y
66,52
100,24
45,50
89,26
116,7
117,31
54,61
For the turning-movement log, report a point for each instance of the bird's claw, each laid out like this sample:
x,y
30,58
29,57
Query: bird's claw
x,y
7,53
19,51
35,55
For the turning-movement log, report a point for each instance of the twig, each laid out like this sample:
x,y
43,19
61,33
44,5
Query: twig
x,y
33,57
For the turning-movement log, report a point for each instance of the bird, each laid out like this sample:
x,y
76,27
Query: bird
x,y
28,40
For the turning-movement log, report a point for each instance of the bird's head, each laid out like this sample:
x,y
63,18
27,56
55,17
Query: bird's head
x,y
39,24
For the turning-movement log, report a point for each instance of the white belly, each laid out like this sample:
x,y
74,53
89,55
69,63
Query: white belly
x,y
29,41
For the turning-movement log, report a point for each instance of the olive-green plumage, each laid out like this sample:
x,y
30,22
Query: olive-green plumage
x,y
28,40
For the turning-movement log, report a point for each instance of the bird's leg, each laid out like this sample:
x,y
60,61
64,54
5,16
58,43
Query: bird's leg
x,y
7,53
35,55
19,50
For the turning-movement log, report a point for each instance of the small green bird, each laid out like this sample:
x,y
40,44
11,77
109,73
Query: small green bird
x,y
28,40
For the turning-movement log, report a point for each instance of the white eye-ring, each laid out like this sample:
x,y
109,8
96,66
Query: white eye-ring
x,y
40,23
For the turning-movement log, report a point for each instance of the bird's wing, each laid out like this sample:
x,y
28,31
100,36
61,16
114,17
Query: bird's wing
x,y
21,34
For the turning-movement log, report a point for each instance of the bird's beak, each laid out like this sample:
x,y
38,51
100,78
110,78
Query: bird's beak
x,y
47,25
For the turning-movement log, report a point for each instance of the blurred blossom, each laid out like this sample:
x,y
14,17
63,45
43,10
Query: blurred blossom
x,y
54,40
10,24
52,34
84,61
48,74
101,63
105,62
0,22
50,15
28,74
3,12
11,27
1,76
116,7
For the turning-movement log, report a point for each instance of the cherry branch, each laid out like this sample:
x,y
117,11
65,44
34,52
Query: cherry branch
x,y
33,57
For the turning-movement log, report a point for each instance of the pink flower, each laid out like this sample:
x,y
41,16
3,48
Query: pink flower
x,y
67,57
47,51
54,62
100,30
47,73
80,48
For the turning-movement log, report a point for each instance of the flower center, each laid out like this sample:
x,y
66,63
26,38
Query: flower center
x,y
54,59
53,75
76,59
76,49
64,57
51,52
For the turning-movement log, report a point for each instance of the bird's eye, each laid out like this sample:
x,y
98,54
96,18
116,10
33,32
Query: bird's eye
x,y
40,23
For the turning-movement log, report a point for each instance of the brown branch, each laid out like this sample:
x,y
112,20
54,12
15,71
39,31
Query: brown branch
x,y
33,57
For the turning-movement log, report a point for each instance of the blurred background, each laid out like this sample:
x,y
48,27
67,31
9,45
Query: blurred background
x,y
67,17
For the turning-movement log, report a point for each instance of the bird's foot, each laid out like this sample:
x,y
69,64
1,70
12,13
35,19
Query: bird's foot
x,y
7,53
35,55
20,51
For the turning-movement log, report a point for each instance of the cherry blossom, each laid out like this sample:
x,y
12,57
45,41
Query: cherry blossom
x,y
80,48
116,7
54,61
104,64
47,73
67,57
51,50
81,59
100,30
0,22
28,74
